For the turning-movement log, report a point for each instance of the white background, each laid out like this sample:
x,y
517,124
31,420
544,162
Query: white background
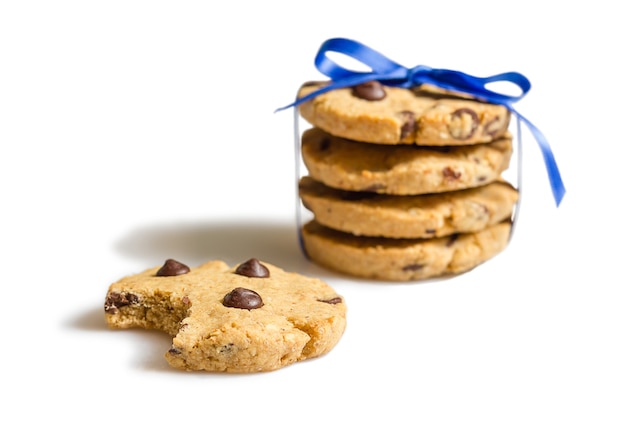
x,y
133,131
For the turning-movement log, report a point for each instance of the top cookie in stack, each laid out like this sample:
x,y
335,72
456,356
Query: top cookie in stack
x,y
388,115
404,184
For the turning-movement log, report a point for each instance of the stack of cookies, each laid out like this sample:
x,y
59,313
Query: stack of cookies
x,y
404,184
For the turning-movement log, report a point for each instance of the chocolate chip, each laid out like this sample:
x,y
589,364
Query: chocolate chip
x,y
119,300
412,267
253,269
243,298
493,127
409,125
110,309
332,301
370,91
175,351
459,128
448,173
452,239
171,268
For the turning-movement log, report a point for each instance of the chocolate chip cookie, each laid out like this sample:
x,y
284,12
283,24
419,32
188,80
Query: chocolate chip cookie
x,y
411,216
402,169
402,259
253,317
390,115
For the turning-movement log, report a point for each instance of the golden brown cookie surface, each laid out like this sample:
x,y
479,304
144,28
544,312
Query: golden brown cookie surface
x,y
390,115
250,318
416,216
402,259
402,169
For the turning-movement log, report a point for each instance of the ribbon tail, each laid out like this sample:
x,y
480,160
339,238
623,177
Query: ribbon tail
x,y
556,182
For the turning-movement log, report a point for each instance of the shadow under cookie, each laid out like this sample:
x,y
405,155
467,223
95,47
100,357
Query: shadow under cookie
x,y
232,242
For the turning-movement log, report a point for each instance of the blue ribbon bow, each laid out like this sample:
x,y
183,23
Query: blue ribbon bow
x,y
390,73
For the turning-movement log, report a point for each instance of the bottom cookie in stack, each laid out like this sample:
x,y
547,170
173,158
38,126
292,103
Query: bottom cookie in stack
x,y
402,259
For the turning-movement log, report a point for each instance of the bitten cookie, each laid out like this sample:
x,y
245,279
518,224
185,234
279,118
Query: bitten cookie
x,y
402,259
381,114
417,216
402,169
250,318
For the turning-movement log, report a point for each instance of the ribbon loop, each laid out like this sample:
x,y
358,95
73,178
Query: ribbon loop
x,y
377,62
391,73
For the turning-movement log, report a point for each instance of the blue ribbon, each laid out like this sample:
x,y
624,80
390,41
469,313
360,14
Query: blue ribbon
x,y
390,73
